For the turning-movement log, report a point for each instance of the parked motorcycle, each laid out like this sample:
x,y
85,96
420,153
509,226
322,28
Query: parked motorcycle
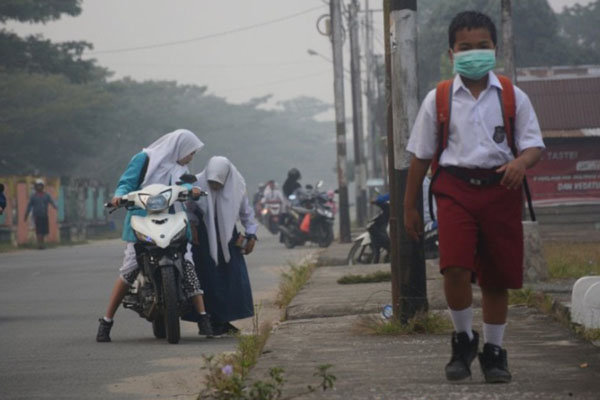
x,y
368,247
270,215
157,294
309,218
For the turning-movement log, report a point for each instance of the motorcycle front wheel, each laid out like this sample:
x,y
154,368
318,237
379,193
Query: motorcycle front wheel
x,y
158,327
171,308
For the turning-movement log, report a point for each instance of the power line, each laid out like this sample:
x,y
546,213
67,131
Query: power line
x,y
204,37
292,79
216,65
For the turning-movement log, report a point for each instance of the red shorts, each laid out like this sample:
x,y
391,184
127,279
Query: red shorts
x,y
480,229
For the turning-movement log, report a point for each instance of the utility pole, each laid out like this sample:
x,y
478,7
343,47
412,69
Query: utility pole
x,y
508,41
372,133
409,290
340,117
360,176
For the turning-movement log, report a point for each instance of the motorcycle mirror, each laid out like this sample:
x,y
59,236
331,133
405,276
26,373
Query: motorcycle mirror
x,y
188,178
308,187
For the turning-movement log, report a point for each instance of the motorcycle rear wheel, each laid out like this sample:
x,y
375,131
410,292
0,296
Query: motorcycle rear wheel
x,y
360,254
325,235
288,241
171,315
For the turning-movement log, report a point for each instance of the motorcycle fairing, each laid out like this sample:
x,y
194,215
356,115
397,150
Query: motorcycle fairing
x,y
159,227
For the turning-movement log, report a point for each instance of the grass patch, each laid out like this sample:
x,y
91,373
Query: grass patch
x,y
572,260
291,282
227,377
377,276
422,323
530,298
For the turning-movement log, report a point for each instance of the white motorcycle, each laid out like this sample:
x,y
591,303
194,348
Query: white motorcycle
x,y
157,294
270,215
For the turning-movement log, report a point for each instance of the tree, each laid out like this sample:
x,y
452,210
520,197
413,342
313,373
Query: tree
x,y
38,10
33,54
579,25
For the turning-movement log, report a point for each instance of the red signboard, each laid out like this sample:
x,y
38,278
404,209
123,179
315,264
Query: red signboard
x,y
568,173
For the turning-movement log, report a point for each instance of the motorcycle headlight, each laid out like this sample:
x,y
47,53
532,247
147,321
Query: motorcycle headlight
x,y
264,211
143,238
157,203
143,198
167,194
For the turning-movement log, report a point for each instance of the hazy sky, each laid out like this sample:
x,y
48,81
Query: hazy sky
x,y
272,58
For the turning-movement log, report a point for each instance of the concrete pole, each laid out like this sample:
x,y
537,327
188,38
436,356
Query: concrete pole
x,y
340,118
508,47
371,132
411,281
535,268
360,178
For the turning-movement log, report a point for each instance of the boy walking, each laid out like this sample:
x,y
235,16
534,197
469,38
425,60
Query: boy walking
x,y
480,134
38,203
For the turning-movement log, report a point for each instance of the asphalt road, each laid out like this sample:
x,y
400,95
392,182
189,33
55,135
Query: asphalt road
x,y
50,302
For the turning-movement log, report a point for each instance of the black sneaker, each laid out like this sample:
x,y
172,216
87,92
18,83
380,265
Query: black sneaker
x,y
464,352
494,364
104,330
205,326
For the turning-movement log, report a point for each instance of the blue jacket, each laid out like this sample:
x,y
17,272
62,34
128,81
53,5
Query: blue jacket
x,y
131,181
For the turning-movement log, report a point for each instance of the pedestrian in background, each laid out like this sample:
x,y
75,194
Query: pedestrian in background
x,y
489,136
219,254
2,199
38,203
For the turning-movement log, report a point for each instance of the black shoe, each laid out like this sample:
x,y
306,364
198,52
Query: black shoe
x,y
205,327
104,330
464,352
494,364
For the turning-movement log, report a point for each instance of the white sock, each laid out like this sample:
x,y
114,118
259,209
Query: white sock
x,y
202,312
463,321
493,334
109,320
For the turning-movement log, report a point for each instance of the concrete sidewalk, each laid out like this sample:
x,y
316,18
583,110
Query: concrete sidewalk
x,y
547,360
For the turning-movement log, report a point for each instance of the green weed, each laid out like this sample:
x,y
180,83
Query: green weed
x,y
377,276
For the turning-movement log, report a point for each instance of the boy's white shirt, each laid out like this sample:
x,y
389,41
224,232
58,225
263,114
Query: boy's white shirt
x,y
472,125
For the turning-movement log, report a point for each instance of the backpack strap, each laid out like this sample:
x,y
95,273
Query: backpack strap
x,y
443,105
509,110
508,105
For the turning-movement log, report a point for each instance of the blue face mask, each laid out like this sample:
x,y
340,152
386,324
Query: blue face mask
x,y
474,64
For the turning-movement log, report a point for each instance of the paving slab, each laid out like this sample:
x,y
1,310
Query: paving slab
x,y
322,296
547,361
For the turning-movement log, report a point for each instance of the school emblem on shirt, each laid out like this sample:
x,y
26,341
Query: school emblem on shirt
x,y
499,134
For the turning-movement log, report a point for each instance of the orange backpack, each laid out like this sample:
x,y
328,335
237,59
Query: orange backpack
x,y
443,103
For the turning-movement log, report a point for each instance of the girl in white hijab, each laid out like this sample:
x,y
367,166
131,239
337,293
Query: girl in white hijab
x,y
219,253
163,162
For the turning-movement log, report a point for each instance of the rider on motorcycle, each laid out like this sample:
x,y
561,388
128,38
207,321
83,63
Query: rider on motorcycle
x,y
272,194
163,162
291,183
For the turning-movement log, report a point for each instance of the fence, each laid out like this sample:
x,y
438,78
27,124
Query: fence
x,y
80,212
